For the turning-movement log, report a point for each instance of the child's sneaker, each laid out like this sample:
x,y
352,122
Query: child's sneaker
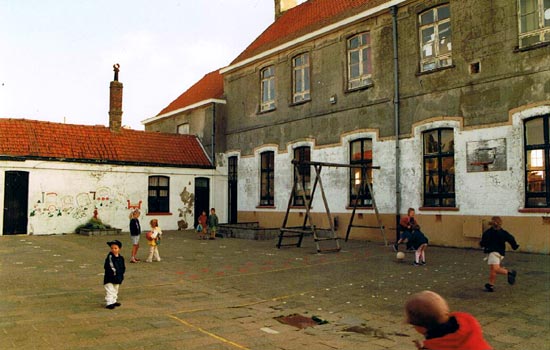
x,y
395,247
512,276
423,263
489,287
416,264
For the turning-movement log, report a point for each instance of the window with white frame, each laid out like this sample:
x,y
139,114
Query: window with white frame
x,y
300,77
537,162
534,22
359,61
435,38
267,76
183,129
158,198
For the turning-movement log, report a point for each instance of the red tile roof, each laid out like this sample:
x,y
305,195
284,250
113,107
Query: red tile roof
x,y
209,87
31,139
304,19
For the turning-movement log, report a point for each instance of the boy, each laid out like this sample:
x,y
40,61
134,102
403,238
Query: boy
x,y
213,223
408,225
493,242
429,314
114,274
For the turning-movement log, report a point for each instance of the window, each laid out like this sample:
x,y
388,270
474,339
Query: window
x,y
439,169
268,89
267,188
534,22
537,162
359,61
159,194
435,38
360,154
300,77
303,186
183,129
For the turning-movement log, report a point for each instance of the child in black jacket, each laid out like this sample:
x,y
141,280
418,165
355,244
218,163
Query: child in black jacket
x,y
114,274
493,242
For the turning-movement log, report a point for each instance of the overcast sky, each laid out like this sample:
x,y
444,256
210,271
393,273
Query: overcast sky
x,y
56,56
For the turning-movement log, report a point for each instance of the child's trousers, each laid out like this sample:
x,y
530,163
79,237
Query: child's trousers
x,y
153,254
111,293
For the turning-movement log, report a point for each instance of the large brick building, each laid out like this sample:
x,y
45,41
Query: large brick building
x,y
450,99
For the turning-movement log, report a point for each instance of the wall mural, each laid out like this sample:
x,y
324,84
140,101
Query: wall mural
x,y
81,205
188,200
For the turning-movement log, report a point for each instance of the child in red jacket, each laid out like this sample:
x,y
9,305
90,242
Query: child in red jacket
x,y
429,314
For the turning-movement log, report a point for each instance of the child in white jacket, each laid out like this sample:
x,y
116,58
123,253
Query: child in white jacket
x,y
154,241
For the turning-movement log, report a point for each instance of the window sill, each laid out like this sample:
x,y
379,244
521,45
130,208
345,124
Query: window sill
x,y
418,74
531,47
534,210
266,111
293,104
158,214
300,207
266,207
359,208
439,209
360,88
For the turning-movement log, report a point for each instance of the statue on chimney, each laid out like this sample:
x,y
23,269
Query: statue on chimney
x,y
116,68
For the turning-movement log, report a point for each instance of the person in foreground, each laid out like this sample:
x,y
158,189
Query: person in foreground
x,y
114,274
429,314
493,242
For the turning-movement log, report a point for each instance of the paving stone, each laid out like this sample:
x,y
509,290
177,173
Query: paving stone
x,y
219,295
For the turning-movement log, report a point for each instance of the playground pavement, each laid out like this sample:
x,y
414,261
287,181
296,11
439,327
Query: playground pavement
x,y
228,293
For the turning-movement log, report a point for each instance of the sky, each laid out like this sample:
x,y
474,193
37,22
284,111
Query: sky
x,y
57,56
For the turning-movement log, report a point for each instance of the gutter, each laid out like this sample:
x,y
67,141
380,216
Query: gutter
x,y
396,111
322,31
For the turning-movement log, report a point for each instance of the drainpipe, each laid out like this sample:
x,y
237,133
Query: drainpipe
x,y
396,122
214,134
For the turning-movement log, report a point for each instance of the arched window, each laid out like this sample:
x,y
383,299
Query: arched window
x,y
439,168
537,162
360,153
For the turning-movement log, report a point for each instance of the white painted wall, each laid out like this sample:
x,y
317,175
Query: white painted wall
x,y
64,195
477,193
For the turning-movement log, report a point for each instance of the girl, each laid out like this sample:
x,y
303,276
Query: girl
x,y
154,241
135,232
203,223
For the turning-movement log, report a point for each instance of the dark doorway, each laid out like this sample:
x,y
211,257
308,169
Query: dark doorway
x,y
16,200
202,197
232,189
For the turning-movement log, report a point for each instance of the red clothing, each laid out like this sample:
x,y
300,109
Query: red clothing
x,y
202,220
468,336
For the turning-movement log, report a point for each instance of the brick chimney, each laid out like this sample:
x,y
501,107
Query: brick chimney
x,y
283,5
115,102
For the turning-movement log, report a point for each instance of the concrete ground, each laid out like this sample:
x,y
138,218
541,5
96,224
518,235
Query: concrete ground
x,y
227,294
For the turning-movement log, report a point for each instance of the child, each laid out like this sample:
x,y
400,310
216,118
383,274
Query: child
x,y
154,242
429,314
419,243
202,226
493,242
407,225
213,223
114,274
135,232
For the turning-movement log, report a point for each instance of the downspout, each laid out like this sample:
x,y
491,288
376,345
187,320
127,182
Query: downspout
x,y
214,134
396,121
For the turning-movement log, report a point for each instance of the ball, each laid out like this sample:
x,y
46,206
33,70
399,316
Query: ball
x,y
400,255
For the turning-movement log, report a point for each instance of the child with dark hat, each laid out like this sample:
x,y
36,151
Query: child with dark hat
x,y
114,274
